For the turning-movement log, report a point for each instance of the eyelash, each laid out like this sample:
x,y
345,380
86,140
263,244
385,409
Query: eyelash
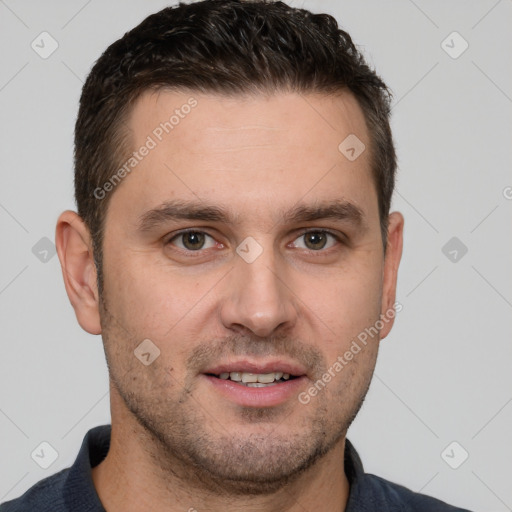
x,y
302,233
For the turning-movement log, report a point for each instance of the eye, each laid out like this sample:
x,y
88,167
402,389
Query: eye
x,y
315,240
192,240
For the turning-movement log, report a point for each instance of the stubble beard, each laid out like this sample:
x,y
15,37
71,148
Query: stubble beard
x,y
186,444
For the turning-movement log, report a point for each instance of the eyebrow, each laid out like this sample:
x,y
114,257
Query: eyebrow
x,y
337,210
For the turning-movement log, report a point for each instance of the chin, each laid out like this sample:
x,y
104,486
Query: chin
x,y
256,466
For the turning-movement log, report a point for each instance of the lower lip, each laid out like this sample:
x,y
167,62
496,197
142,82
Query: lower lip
x,y
268,396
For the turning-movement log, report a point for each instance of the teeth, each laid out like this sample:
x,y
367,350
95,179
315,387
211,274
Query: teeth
x,y
266,378
249,377
255,378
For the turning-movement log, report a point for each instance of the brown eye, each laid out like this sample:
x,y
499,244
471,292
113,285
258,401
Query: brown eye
x,y
191,240
316,240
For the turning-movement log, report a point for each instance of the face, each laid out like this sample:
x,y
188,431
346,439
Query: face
x,y
244,244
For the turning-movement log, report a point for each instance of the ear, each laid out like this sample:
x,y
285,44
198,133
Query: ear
x,y
390,273
74,247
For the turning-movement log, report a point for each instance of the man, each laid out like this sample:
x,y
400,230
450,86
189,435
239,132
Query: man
x,y
234,168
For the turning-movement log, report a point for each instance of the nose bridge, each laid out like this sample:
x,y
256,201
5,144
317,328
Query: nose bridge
x,y
258,298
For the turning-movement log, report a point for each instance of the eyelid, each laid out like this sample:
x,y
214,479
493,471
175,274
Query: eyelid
x,y
172,236
320,230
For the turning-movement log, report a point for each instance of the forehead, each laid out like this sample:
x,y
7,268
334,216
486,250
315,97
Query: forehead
x,y
222,122
250,152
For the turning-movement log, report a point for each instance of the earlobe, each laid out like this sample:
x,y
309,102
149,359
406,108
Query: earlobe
x,y
390,275
74,248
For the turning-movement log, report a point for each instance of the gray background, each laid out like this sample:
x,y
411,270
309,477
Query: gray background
x,y
443,374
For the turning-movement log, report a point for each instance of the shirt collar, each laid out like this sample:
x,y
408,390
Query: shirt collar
x,y
80,493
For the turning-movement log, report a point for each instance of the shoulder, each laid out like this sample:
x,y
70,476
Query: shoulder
x,y
47,495
369,492
402,499
71,489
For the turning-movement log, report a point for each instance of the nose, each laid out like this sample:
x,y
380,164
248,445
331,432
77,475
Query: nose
x,y
259,298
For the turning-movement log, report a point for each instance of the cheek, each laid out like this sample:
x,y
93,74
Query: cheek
x,y
143,307
156,303
347,304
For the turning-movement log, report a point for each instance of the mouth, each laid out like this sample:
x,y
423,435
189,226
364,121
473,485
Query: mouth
x,y
255,380
252,383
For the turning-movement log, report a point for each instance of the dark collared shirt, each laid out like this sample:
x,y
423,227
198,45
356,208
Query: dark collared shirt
x,y
72,489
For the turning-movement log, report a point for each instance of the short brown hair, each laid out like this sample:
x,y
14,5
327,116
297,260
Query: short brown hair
x,y
228,47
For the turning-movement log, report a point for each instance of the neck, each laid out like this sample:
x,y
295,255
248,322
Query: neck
x,y
130,478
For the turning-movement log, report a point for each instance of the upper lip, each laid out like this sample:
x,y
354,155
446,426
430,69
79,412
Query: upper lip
x,y
269,366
